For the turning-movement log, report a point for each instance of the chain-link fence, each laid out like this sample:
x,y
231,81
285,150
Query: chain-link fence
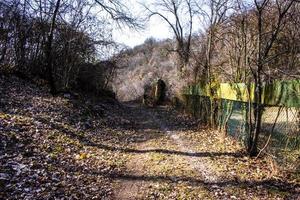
x,y
280,131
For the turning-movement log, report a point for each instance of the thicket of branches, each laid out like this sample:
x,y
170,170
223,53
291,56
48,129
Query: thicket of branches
x,y
56,39
234,37
255,43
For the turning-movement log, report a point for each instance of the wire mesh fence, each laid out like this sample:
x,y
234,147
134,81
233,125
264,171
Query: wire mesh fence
x,y
280,130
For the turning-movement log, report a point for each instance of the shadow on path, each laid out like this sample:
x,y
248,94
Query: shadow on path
x,y
84,140
270,183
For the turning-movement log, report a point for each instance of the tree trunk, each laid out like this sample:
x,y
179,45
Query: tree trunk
x,y
49,57
258,111
257,105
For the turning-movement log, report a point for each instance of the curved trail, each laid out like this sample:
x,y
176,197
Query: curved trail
x,y
171,131
171,158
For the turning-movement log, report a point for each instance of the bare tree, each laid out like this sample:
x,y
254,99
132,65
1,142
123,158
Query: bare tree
x,y
174,13
212,13
266,37
51,39
49,49
115,9
119,13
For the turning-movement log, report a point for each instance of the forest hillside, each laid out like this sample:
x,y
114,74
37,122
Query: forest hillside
x,y
211,110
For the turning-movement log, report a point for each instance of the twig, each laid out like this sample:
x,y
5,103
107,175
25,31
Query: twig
x,y
273,127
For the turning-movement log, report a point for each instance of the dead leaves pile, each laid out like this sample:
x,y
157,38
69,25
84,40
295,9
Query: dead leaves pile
x,y
49,145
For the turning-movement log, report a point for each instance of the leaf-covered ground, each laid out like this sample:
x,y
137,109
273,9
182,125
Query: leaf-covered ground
x,y
74,147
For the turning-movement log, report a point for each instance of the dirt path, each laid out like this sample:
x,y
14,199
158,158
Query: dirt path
x,y
139,164
177,160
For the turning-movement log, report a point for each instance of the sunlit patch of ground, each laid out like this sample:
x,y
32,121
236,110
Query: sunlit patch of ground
x,y
57,147
201,164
